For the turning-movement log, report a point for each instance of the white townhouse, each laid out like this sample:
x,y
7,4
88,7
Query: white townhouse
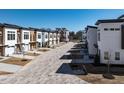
x,y
57,37
54,38
8,39
23,39
50,39
26,38
111,40
67,36
45,38
35,38
91,33
64,34
39,38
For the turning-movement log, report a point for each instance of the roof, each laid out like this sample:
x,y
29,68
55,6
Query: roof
x,y
120,16
91,27
28,28
10,25
34,29
44,30
109,21
86,28
24,28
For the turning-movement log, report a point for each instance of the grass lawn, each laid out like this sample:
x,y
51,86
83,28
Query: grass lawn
x,y
95,74
17,61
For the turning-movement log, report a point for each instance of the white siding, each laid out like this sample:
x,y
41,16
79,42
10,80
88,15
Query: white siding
x,y
50,39
54,38
10,50
92,39
45,39
110,41
39,39
26,41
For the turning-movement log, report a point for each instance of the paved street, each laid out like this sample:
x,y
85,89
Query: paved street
x,y
44,69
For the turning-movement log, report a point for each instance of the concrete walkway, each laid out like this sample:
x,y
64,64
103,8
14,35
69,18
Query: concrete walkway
x,y
9,67
44,69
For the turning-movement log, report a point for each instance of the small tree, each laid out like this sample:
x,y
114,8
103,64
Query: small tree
x,y
108,75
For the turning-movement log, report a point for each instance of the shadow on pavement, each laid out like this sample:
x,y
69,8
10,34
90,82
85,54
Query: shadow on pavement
x,y
75,67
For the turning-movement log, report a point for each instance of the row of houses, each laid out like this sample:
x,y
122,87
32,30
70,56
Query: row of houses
x,y
17,39
106,40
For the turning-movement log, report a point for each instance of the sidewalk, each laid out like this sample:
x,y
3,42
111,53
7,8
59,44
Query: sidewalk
x,y
9,67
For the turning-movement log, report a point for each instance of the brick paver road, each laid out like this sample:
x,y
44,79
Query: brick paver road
x,y
43,69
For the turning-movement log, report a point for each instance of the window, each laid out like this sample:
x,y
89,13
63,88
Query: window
x,y
117,29
46,36
105,29
106,55
117,55
54,36
39,36
112,29
98,36
11,35
50,36
26,35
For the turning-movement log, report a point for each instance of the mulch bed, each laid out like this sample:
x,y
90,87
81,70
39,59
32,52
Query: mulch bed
x,y
32,54
17,61
95,74
5,73
43,50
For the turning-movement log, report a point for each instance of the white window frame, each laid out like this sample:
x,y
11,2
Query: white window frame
x,y
10,35
26,35
106,55
39,35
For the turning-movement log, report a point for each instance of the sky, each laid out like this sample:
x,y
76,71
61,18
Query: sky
x,y
73,20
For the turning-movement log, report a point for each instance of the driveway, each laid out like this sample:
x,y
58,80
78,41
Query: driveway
x,y
44,69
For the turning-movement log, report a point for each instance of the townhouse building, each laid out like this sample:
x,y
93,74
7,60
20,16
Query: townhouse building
x,y
45,38
54,38
23,39
57,37
91,33
16,39
8,39
35,38
33,42
64,34
110,37
50,39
